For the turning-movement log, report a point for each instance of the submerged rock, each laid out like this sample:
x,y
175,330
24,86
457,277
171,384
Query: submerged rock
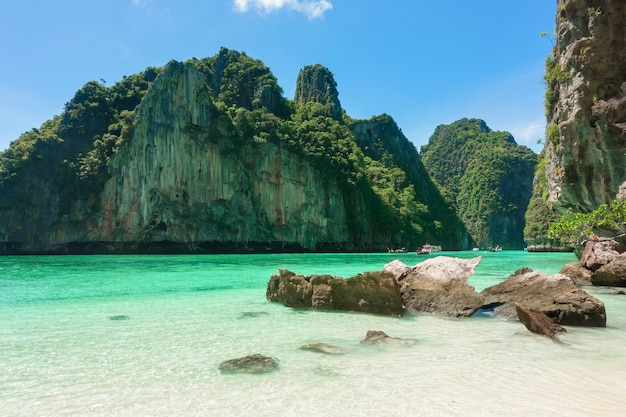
x,y
323,348
375,336
378,336
371,292
556,295
120,317
537,322
252,314
252,364
438,285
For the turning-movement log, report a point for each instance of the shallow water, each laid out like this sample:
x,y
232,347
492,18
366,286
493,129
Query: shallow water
x,y
144,336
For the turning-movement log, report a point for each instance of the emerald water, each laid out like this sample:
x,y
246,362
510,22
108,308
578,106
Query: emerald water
x,y
144,335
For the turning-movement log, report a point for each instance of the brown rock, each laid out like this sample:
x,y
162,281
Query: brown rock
x,y
612,274
556,295
439,285
375,336
371,292
251,364
599,251
537,322
323,348
578,273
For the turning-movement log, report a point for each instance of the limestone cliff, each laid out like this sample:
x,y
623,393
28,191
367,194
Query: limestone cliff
x,y
181,179
316,84
586,104
381,139
487,175
207,156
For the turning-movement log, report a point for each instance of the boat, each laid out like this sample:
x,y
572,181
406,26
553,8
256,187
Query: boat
x,y
428,249
496,249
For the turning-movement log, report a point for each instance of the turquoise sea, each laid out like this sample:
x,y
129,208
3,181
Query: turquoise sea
x,y
144,335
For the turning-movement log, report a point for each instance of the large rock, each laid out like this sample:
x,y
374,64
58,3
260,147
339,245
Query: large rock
x,y
578,273
612,274
371,292
537,322
556,295
598,252
438,285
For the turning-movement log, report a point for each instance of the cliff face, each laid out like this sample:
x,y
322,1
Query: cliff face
x,y
316,84
181,179
212,158
381,139
487,176
586,105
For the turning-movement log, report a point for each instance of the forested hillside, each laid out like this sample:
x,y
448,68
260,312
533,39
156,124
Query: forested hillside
x,y
486,175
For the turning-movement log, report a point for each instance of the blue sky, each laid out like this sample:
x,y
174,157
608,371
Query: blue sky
x,y
424,63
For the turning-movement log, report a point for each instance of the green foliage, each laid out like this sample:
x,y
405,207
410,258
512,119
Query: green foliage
x,y
573,228
554,135
241,81
539,213
594,12
555,75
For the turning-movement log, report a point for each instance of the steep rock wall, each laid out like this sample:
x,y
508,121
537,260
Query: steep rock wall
x,y
182,178
586,133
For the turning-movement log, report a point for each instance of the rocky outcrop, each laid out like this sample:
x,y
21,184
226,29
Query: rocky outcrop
x,y
316,84
371,292
578,273
586,105
438,285
182,178
537,322
556,295
612,274
599,252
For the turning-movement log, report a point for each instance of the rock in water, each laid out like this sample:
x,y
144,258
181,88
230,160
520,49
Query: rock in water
x,y
438,285
613,274
557,296
538,322
578,273
323,348
371,292
599,252
252,364
375,336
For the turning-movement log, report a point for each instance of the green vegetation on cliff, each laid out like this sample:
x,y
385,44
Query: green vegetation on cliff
x,y
487,175
539,211
573,228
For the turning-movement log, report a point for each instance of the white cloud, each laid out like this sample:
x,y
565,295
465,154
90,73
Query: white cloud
x,y
528,134
145,4
311,8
